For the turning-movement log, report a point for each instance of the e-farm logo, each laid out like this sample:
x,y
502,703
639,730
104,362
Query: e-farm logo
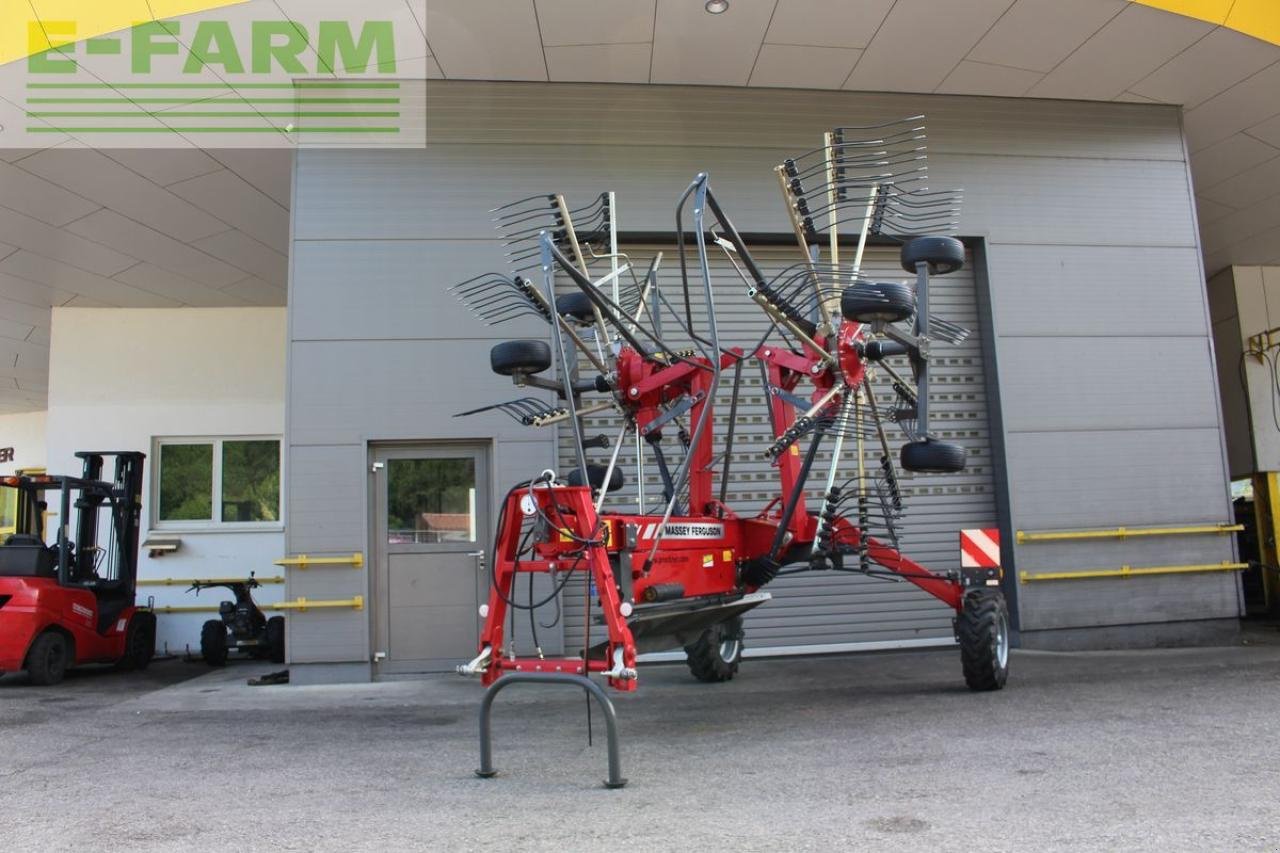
x,y
210,77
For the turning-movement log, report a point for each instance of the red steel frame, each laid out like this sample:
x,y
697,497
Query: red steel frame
x,y
702,565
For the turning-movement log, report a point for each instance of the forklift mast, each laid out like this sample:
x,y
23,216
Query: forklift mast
x,y
125,499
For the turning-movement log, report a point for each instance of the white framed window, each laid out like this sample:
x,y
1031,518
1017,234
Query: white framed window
x,y
216,483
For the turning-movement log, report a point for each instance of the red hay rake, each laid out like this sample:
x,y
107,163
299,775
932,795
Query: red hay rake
x,y
680,574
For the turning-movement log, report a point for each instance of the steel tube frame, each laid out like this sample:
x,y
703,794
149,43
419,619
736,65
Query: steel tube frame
x,y
487,771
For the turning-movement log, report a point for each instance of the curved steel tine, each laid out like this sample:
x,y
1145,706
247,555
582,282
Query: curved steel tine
x,y
550,196
477,279
502,407
915,119
490,292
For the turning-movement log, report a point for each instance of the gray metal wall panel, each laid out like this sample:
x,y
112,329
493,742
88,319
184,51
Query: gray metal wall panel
x,y
327,485
385,289
485,113
1096,291
348,391
1112,478
1107,601
1054,384
327,518
447,191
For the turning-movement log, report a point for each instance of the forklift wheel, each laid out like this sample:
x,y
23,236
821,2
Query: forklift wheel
x,y
982,627
139,642
716,654
213,643
48,659
275,639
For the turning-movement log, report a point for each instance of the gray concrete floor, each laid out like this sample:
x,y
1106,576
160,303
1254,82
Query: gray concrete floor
x,y
1159,750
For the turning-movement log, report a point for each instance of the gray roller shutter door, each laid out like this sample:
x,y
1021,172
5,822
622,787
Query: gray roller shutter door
x,y
831,611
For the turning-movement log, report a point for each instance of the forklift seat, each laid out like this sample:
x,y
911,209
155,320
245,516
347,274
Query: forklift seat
x,y
24,555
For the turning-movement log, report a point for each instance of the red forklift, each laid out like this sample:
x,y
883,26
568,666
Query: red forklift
x,y
68,601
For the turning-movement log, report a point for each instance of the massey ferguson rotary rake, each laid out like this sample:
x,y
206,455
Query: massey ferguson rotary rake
x,y
681,572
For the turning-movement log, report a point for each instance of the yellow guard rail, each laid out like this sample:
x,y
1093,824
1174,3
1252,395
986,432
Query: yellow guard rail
x,y
1130,571
302,561
1125,532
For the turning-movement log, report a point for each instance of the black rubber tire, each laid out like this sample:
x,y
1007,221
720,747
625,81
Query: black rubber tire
x,y
139,642
595,474
886,301
942,254
525,357
576,305
213,643
706,657
275,639
48,658
932,457
982,628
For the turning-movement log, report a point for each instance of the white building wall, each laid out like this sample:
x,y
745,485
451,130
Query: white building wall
x,y
119,378
24,432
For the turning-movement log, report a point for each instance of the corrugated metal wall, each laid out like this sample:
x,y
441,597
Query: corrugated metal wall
x,y
1099,324
829,609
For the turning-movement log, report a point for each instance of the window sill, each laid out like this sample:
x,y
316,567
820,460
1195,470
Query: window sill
x,y
194,530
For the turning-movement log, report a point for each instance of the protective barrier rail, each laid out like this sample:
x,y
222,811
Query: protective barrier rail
x,y
302,561
1130,571
189,581
301,604
305,604
1125,532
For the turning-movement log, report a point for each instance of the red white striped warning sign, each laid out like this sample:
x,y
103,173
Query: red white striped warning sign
x,y
980,549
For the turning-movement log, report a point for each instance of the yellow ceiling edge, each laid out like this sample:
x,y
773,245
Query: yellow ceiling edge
x,y
1257,18
59,22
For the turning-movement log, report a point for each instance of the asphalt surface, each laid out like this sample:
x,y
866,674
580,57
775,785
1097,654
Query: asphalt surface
x,y
1155,750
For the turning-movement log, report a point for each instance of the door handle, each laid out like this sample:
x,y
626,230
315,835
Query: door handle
x,y
479,554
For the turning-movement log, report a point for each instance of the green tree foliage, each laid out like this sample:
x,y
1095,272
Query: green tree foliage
x,y
186,482
251,480
415,486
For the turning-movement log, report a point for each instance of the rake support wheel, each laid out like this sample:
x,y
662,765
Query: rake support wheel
x,y
885,301
578,306
933,457
512,358
716,654
982,629
942,254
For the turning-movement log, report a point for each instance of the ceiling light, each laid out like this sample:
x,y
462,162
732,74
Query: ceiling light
x,y
715,7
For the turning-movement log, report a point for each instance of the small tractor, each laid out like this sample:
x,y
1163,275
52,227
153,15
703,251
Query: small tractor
x,y
71,601
241,625
679,572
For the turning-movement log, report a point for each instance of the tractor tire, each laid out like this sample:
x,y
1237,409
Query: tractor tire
x,y
885,301
213,643
139,642
520,357
48,659
578,306
275,639
716,654
933,457
982,628
942,254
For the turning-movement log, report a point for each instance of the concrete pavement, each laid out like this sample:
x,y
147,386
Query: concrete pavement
x,y
1165,749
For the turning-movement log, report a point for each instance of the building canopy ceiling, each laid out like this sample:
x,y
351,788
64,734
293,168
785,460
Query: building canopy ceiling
x,y
86,223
